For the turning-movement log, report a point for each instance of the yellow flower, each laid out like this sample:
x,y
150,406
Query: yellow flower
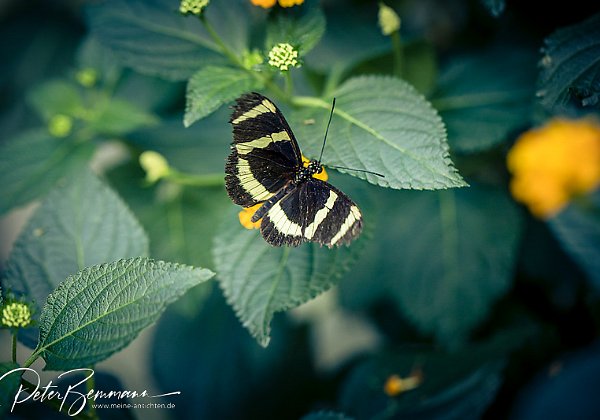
x,y
283,56
192,7
389,21
554,163
246,214
270,3
155,165
16,315
60,125
396,385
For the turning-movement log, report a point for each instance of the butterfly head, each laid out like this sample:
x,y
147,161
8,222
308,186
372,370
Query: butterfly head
x,y
313,167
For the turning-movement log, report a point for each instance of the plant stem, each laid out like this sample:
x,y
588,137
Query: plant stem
x,y
31,359
398,53
14,346
277,91
289,85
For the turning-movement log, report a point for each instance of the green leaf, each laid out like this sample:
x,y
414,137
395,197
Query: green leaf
x,y
154,38
55,97
32,162
116,117
482,98
8,385
212,87
101,309
571,67
460,257
302,32
259,280
81,223
578,229
454,386
381,124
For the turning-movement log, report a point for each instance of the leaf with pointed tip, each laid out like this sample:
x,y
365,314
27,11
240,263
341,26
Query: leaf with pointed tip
x,y
381,124
81,223
101,309
303,32
213,86
33,162
260,280
571,66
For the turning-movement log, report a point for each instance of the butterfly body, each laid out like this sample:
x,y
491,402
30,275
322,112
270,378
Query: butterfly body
x,y
265,166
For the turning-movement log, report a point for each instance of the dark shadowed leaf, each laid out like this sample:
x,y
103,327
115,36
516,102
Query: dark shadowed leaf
x,y
9,385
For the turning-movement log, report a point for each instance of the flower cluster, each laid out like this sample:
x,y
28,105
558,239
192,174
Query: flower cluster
x,y
192,7
246,214
270,3
16,315
554,163
283,56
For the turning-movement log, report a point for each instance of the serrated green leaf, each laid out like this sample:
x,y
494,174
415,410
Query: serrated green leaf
x,y
81,223
214,86
570,68
463,245
154,38
577,228
8,385
32,162
55,97
454,385
101,309
260,280
384,125
482,98
117,117
303,32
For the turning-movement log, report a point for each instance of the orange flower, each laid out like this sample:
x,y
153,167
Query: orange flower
x,y
395,385
245,215
554,163
270,3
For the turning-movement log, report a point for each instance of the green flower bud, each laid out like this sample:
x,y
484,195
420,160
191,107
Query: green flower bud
x,y
16,315
60,125
192,7
283,56
155,165
389,21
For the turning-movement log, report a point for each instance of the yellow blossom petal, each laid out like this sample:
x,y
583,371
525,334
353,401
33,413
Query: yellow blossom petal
x,y
264,3
246,217
290,3
554,163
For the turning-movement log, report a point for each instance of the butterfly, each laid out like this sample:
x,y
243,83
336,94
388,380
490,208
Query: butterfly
x,y
265,166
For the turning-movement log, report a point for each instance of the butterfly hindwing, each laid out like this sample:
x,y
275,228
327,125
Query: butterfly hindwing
x,y
265,155
312,211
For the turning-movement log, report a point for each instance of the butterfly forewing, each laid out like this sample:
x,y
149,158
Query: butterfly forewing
x,y
265,166
265,154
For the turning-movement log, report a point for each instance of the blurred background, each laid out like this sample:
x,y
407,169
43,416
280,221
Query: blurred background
x,y
510,330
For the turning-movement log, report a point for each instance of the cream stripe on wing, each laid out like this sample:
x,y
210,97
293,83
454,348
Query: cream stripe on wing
x,y
352,217
261,143
320,215
282,223
249,183
264,107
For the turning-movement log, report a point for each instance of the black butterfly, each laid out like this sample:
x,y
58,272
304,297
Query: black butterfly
x,y
265,166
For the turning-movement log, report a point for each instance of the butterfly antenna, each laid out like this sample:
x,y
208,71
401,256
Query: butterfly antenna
x,y
327,130
359,170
